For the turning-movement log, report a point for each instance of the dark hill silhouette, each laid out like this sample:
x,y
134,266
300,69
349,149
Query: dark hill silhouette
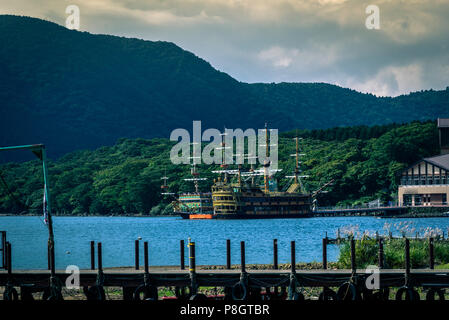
x,y
75,90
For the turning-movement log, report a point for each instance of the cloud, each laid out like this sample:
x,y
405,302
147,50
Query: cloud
x,y
389,81
320,56
283,40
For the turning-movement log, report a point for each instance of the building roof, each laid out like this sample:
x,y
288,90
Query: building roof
x,y
441,161
443,123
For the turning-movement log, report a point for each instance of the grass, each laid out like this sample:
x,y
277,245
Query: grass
x,y
394,253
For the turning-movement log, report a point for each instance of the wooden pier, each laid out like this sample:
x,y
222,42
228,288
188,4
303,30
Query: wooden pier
x,y
385,212
238,284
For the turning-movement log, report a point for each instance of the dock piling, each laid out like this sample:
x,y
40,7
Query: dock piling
x,y
228,254
275,254
293,256
242,256
145,256
353,261
431,254
181,252
407,256
192,262
8,257
92,255
325,253
136,253
100,257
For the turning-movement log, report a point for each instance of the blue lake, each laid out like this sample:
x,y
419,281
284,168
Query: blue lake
x,y
28,236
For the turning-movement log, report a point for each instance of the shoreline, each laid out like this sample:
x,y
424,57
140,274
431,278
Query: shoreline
x,y
410,215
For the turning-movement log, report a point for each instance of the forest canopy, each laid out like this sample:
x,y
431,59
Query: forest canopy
x,y
126,178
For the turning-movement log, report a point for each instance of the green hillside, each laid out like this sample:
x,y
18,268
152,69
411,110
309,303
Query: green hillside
x,y
73,90
126,178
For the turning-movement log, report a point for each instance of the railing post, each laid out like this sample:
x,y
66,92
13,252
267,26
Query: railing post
x,y
192,268
325,253
242,256
100,257
293,256
431,254
407,256
145,256
136,253
353,258
9,257
192,262
228,254
381,253
275,254
92,255
181,250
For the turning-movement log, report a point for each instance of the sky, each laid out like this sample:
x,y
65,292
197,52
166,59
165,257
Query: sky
x,y
283,40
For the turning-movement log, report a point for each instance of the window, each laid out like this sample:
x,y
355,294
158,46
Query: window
x,y
407,200
418,200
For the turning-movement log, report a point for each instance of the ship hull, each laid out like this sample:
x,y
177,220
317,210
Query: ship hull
x,y
261,216
193,216
196,216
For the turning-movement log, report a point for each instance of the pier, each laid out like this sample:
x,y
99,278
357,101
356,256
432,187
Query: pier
x,y
237,281
384,211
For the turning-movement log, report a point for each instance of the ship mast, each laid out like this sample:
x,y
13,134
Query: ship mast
x,y
195,174
165,178
296,174
223,164
267,162
297,160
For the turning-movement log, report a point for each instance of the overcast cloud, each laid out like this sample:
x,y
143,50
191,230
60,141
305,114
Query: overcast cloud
x,y
283,40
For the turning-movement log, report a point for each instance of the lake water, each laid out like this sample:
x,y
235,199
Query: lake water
x,y
28,236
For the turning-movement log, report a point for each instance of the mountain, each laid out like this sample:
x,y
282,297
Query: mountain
x,y
74,90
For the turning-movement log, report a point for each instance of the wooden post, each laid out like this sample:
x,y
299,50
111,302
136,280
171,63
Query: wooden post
x,y
48,256
192,262
242,256
136,253
407,256
228,254
52,259
100,257
9,257
92,255
275,254
181,250
145,256
431,254
3,243
353,261
381,254
293,256
325,253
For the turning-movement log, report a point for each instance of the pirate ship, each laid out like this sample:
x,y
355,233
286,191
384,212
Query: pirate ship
x,y
236,195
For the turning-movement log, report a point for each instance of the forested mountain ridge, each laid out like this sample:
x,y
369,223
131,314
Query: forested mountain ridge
x,y
126,178
74,90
